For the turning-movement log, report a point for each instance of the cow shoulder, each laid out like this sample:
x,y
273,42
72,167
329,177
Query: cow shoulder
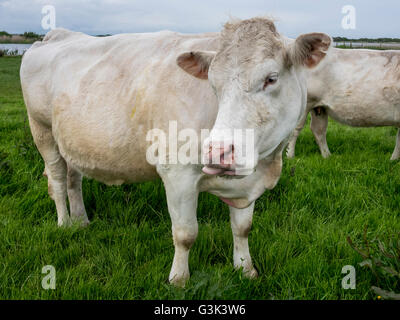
x,y
58,34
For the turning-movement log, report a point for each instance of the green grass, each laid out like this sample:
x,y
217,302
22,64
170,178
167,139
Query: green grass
x,y
298,240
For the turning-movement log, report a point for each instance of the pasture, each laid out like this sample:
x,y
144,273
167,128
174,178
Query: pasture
x,y
298,239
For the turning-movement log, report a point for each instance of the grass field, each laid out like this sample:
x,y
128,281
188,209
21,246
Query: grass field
x,y
298,240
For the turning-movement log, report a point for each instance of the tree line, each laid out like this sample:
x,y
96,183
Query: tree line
x,y
344,39
33,35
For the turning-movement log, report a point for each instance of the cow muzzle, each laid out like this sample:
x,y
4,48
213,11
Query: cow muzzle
x,y
219,158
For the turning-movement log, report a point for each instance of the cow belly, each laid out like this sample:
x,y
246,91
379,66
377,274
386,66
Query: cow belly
x,y
108,158
112,176
109,170
366,117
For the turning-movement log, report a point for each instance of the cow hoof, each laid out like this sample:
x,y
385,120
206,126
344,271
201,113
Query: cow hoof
x,y
251,274
85,223
81,221
64,222
179,281
326,155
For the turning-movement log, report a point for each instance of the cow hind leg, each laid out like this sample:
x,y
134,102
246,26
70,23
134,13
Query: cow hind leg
x,y
290,151
319,125
241,220
55,168
76,205
396,152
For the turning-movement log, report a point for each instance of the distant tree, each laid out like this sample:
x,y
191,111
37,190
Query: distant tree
x,y
340,39
31,35
4,33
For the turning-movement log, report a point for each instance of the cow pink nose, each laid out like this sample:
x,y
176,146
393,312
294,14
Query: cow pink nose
x,y
221,155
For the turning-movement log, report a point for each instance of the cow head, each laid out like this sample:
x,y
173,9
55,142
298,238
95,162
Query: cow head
x,y
257,77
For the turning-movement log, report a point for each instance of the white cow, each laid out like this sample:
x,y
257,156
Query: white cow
x,y
360,88
92,101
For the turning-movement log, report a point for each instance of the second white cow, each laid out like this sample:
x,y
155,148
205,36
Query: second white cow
x,y
360,88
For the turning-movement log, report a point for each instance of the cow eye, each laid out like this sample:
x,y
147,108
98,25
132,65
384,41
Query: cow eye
x,y
270,80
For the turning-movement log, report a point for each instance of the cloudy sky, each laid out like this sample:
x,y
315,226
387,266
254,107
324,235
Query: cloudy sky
x,y
374,18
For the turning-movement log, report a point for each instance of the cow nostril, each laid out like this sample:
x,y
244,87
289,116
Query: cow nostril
x,y
220,154
227,155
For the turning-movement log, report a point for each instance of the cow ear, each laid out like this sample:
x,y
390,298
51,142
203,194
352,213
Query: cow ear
x,y
309,49
196,63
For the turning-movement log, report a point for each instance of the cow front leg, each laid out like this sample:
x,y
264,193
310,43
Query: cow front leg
x,y
396,152
290,151
319,125
182,195
241,220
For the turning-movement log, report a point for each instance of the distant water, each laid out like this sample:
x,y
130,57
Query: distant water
x,y
15,46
